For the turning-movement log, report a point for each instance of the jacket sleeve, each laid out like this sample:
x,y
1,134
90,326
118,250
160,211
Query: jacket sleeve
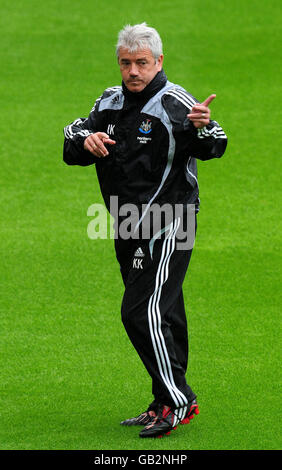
x,y
208,142
75,135
204,144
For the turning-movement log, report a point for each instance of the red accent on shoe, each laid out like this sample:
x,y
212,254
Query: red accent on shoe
x,y
165,412
193,410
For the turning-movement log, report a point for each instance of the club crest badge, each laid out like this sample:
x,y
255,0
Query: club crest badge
x,y
146,127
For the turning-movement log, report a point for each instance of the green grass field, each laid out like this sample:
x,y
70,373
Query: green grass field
x,y
68,372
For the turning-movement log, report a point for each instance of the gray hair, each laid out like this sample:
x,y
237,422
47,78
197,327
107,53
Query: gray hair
x,y
140,36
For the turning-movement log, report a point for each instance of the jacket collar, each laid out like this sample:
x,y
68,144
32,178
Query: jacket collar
x,y
151,89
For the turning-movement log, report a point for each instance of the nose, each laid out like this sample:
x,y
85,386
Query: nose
x,y
133,70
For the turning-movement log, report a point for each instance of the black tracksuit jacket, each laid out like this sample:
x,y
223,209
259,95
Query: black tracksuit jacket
x,y
154,159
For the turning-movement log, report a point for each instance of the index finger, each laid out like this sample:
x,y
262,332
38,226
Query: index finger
x,y
109,141
209,100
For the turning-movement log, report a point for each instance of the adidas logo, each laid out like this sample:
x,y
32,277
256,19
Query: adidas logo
x,y
115,99
139,253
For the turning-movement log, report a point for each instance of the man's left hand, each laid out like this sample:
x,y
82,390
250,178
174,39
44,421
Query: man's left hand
x,y
200,113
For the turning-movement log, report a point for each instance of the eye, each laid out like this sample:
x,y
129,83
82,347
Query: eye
x,y
142,62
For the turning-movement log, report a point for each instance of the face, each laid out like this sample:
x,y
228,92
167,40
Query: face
x,y
138,68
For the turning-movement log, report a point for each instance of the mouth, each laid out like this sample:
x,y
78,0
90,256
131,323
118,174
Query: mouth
x,y
135,85
134,82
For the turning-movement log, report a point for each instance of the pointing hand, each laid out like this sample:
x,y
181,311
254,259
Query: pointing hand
x,y
200,113
94,143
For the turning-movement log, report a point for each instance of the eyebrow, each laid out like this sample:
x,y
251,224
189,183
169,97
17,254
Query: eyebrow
x,y
137,60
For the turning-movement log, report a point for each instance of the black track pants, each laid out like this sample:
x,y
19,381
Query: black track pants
x,y
153,313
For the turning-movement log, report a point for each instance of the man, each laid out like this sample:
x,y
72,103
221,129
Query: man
x,y
144,138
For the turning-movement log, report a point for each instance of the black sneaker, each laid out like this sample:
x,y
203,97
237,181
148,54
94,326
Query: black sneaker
x,y
144,419
165,421
168,419
193,409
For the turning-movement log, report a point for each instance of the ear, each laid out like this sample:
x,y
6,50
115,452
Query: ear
x,y
160,62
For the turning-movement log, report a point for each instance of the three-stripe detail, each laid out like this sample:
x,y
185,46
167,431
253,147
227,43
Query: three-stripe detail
x,y
155,323
216,132
70,132
182,96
